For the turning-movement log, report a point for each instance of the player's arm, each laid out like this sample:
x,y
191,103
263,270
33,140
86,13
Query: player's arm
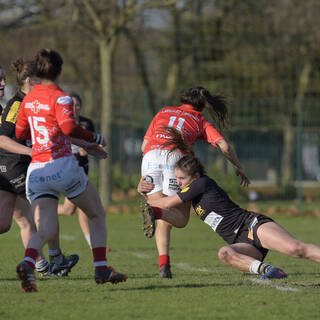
x,y
10,145
90,148
68,124
166,202
230,154
214,137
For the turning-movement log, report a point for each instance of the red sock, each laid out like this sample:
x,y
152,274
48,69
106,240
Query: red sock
x,y
30,257
164,259
99,258
157,212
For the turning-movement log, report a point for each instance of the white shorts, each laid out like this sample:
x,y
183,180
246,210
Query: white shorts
x,y
159,164
62,175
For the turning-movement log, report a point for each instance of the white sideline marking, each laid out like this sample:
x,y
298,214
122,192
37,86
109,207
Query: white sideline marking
x,y
140,255
271,284
185,266
67,237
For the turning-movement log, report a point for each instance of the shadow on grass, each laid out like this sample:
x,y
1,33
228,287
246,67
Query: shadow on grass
x,y
184,286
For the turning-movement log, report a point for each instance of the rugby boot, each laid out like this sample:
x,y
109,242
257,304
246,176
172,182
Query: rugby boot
x,y
165,272
274,273
63,267
26,276
110,275
149,225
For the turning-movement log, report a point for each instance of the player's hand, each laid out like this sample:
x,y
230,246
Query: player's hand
x,y
144,186
244,179
99,139
95,150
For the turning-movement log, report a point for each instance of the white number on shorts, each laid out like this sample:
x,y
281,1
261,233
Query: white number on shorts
x,y
34,126
180,122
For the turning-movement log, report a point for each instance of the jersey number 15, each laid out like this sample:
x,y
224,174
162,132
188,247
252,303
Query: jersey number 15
x,y
38,133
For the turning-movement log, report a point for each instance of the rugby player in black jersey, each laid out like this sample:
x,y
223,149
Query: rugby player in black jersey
x,y
249,235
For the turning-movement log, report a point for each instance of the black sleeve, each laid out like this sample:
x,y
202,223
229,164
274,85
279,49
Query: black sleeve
x,y
193,190
86,123
9,118
7,128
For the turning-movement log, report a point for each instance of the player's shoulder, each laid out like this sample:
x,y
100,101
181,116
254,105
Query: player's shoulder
x,y
62,97
169,110
17,97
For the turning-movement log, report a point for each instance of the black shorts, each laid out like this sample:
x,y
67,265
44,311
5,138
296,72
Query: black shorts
x,y
248,231
13,175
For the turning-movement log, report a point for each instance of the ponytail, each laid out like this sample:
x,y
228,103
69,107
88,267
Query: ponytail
x,y
200,98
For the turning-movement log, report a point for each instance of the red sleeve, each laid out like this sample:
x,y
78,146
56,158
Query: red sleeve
x,y
67,122
151,128
22,125
211,134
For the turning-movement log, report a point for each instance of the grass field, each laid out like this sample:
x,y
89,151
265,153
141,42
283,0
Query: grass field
x,y
202,287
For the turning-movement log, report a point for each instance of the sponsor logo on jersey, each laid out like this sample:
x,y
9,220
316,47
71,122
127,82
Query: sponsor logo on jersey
x,y
200,211
65,100
171,110
213,220
67,111
3,168
36,106
162,136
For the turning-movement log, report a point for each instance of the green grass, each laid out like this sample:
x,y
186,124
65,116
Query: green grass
x,y
202,287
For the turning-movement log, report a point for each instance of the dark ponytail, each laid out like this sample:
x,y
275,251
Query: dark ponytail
x,y
200,98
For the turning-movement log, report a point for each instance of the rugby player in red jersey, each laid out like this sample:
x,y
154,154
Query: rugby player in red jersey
x,y
46,117
14,162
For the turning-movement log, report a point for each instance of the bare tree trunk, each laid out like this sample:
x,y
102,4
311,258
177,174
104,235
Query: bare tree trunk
x,y
174,73
105,174
288,132
142,69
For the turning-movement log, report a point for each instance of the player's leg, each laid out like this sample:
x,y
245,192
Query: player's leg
x,y
24,218
46,208
67,208
7,204
89,202
84,225
272,236
247,258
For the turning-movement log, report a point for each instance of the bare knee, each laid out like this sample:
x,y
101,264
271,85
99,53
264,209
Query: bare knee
x,y
226,254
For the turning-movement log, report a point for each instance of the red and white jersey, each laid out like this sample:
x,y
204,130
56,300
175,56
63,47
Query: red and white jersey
x,y
46,117
191,124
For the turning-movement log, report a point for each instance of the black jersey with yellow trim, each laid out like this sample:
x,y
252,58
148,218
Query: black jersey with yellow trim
x,y
9,118
212,202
